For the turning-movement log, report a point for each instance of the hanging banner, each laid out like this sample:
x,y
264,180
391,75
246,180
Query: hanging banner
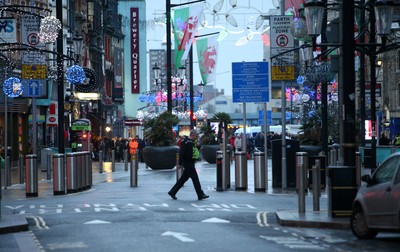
x,y
185,22
135,56
207,52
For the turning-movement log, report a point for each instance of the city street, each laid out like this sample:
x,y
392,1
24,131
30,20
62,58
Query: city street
x,y
114,216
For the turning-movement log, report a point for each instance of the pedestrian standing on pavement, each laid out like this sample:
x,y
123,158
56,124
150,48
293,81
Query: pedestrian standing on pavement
x,y
133,146
188,155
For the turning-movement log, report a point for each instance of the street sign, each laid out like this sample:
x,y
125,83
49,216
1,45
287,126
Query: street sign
x,y
8,30
282,41
34,71
34,88
261,117
30,29
33,57
250,81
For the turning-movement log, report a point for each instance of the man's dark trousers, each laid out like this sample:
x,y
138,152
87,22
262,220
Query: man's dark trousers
x,y
189,172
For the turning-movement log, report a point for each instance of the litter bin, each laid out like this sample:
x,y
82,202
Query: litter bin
x,y
342,190
292,146
31,172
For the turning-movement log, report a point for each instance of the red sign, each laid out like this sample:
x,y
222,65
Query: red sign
x,y
135,63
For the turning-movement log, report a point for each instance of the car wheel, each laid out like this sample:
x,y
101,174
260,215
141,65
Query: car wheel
x,y
359,226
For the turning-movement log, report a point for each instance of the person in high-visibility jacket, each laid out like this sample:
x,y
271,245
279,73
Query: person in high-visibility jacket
x,y
133,145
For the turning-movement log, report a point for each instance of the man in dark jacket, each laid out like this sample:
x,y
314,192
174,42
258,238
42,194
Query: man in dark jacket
x,y
186,159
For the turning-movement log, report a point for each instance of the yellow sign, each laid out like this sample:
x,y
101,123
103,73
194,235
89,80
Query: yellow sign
x,y
34,71
282,73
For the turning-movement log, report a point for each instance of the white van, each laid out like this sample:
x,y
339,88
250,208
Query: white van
x,y
250,131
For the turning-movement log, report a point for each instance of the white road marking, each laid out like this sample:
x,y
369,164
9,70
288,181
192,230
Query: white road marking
x,y
215,220
39,222
97,222
180,236
262,219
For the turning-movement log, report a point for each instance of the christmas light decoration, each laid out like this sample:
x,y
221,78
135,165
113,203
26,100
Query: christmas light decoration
x,y
49,27
12,87
75,75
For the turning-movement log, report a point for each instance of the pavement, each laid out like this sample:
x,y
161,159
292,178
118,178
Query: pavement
x,y
19,238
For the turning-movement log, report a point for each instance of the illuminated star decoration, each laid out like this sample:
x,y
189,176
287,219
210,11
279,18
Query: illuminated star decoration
x,y
75,75
12,87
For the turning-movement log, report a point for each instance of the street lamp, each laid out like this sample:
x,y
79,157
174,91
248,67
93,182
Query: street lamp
x,y
382,11
78,43
60,80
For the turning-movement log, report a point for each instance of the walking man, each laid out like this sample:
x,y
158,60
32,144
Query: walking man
x,y
188,155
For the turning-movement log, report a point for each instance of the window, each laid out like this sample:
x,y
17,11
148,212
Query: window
x,y
398,95
398,61
386,172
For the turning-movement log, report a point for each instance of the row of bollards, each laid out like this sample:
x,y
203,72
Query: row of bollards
x,y
302,182
342,182
78,172
72,172
241,181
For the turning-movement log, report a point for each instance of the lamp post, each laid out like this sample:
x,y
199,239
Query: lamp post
x,y
168,8
381,11
60,80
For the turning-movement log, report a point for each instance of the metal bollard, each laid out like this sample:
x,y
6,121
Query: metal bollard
x,y
227,170
240,171
113,160
100,161
83,170
8,172
90,172
134,171
21,169
259,172
86,160
218,169
72,173
58,174
358,169
301,177
179,168
49,167
31,174
126,159
334,157
316,178
78,170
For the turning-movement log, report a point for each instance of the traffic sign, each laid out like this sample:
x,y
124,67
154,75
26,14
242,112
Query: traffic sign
x,y
282,42
34,71
34,88
30,28
250,81
261,117
33,57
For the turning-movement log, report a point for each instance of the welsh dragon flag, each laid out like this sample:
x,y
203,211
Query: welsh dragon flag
x,y
185,21
207,52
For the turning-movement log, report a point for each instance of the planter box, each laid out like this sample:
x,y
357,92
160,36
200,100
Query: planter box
x,y
160,157
209,152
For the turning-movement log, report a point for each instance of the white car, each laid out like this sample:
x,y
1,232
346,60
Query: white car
x,y
377,203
